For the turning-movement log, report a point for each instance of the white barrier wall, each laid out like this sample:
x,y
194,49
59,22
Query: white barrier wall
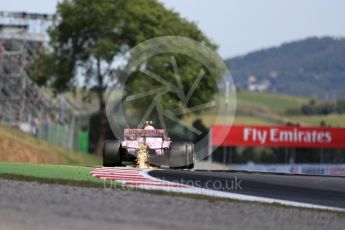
x,y
308,169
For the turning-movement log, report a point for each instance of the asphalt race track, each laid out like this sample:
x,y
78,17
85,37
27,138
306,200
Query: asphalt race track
x,y
326,191
37,206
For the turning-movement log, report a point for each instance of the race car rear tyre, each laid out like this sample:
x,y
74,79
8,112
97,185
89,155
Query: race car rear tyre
x,y
181,155
112,153
191,166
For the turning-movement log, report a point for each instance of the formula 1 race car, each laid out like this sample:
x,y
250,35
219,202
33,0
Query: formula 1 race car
x,y
162,152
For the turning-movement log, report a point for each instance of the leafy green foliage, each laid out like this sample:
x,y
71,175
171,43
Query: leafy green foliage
x,y
90,33
314,107
90,37
161,65
43,68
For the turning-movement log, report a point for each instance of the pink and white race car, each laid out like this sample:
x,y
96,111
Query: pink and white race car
x,y
162,152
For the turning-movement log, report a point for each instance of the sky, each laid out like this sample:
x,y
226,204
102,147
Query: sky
x,y
241,26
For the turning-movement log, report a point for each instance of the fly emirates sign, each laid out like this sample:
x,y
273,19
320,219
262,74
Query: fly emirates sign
x,y
281,136
272,135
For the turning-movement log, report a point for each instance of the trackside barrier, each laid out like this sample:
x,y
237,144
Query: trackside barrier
x,y
65,137
306,169
278,136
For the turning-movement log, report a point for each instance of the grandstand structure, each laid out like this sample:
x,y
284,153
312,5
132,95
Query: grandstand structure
x,y
22,35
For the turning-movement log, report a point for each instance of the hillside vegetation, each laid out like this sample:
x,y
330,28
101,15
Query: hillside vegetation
x,y
255,108
313,67
270,109
16,146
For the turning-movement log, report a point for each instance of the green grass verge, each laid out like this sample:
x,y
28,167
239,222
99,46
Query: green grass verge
x,y
75,176
51,172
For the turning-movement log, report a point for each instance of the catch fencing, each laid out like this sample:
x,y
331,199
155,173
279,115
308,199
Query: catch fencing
x,y
64,136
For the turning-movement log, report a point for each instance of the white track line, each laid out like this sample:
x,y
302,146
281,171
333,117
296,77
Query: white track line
x,y
139,178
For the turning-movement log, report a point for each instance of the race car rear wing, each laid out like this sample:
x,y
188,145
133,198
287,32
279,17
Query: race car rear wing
x,y
145,132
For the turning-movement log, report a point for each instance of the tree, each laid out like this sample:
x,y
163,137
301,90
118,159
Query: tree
x,y
340,105
90,36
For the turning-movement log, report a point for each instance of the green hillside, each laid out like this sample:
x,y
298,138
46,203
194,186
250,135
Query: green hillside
x,y
270,108
276,103
312,67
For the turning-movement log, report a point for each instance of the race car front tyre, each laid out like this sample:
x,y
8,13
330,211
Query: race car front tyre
x,y
181,155
112,153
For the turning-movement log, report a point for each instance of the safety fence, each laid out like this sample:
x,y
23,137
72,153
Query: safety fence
x,y
65,137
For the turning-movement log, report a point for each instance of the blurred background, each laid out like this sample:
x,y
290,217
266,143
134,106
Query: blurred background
x,y
287,59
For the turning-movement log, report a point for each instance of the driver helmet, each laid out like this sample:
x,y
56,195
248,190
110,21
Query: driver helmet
x,y
148,125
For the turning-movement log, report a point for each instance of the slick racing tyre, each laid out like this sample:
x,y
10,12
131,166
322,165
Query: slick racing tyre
x,y
112,153
181,155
